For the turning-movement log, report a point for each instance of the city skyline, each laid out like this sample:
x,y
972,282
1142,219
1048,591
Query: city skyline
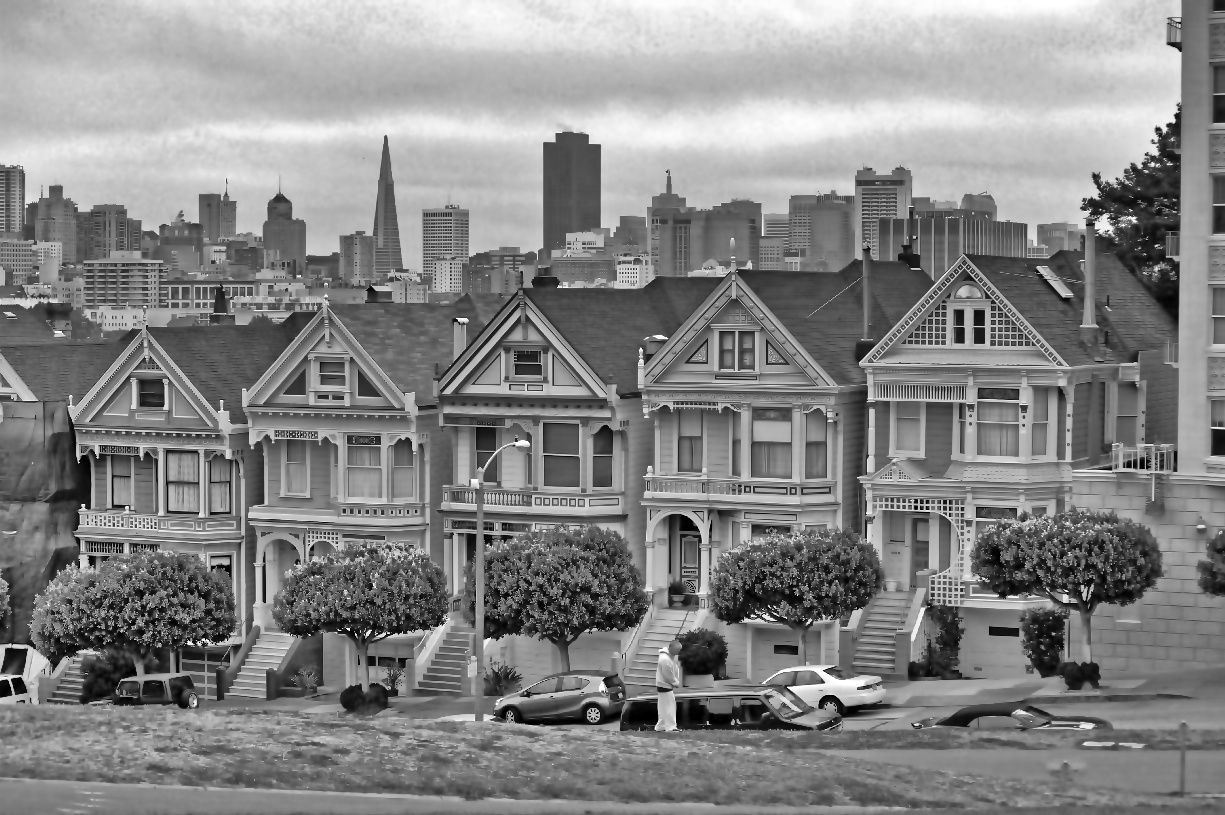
x,y
766,132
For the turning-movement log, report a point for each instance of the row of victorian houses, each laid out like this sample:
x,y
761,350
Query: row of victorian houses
x,y
691,416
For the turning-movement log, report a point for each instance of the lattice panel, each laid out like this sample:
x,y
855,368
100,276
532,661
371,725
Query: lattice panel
x,y
144,547
918,392
314,536
306,435
946,587
933,330
1005,333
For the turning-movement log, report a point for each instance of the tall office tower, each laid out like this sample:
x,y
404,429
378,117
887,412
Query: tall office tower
x,y
387,257
229,214
950,235
821,231
55,221
180,245
285,234
12,200
571,188
210,216
104,229
683,237
357,259
776,225
631,232
444,234
879,195
980,202
27,229
17,261
1060,236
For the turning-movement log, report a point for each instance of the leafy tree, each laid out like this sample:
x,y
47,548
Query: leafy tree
x,y
4,602
366,593
1141,207
1042,637
1076,559
1212,571
137,604
797,580
558,584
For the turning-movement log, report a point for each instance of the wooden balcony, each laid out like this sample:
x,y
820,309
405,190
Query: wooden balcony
x,y
535,502
743,491
96,523
1173,32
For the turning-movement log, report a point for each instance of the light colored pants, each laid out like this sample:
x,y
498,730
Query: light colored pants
x,y
667,711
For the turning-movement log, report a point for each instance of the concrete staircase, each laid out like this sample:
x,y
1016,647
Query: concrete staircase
x,y
665,625
875,651
68,691
446,671
268,651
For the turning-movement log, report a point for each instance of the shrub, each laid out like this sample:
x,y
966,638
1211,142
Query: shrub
x,y
392,677
703,652
364,702
375,698
352,698
676,587
306,678
101,673
1075,676
501,679
1042,638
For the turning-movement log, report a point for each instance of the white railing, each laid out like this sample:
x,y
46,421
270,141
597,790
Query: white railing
x,y
121,519
520,499
917,392
1142,458
118,520
701,485
1173,32
493,498
1172,246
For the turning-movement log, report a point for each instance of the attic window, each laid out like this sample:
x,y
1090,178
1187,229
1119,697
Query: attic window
x,y
968,292
529,363
151,393
365,387
332,374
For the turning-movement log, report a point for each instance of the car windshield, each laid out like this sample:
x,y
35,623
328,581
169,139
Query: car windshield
x,y
1037,712
128,689
835,672
785,703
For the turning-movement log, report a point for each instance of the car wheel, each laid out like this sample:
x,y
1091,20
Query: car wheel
x,y
831,704
512,716
189,701
592,714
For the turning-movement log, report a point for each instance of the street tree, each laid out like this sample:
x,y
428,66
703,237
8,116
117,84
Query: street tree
x,y
798,580
365,592
1212,570
560,583
4,604
135,604
1076,559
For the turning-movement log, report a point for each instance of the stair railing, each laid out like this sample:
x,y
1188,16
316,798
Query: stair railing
x,y
427,648
227,675
904,639
848,637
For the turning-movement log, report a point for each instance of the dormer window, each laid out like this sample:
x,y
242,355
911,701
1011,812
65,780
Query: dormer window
x,y
150,393
529,363
737,351
332,374
969,326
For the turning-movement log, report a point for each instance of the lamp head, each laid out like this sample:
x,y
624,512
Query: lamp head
x,y
522,444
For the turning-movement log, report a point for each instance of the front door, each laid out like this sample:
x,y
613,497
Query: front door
x,y
691,561
920,548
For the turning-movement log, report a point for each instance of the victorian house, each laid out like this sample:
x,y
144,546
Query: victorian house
x,y
1002,379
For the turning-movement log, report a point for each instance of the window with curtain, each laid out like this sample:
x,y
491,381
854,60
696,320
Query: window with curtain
x,y
771,443
737,434
561,462
907,427
1040,421
1218,315
602,458
1218,427
403,473
121,481
816,429
219,493
689,441
737,350
486,445
296,468
999,421
183,482
363,472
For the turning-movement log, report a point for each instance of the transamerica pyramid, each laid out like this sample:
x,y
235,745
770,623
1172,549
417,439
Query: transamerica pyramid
x,y
387,257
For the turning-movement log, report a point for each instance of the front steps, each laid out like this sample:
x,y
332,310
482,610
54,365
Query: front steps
x,y
666,625
448,668
876,648
268,652
68,691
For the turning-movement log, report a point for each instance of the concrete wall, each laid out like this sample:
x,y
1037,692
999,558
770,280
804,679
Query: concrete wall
x,y
988,656
536,659
1175,625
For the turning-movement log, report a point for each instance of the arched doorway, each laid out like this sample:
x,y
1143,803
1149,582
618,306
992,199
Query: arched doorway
x,y
678,551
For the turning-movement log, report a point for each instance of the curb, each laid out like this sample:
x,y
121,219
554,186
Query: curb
x,y
1068,699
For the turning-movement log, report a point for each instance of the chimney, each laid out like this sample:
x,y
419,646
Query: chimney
x,y
1088,322
908,255
652,344
460,335
865,344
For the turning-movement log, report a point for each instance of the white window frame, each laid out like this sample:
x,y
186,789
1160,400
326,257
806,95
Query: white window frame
x,y
677,445
968,307
978,426
285,469
326,394
1214,425
1212,310
579,455
893,448
392,467
736,366
612,461
165,384
1052,423
518,377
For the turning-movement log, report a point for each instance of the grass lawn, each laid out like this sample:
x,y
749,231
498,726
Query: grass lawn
x,y
246,748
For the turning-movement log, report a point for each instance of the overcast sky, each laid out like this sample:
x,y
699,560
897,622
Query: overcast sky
x,y
150,104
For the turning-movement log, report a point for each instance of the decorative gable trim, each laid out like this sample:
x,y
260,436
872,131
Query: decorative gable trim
x,y
12,385
920,325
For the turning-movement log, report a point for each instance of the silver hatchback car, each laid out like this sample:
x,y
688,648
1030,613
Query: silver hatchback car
x,y
588,696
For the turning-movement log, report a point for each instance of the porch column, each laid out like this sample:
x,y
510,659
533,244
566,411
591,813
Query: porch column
x,y
448,559
161,481
1142,409
871,436
93,481
663,558
934,536
873,530
261,591
798,435
649,568
1069,396
83,560
746,441
831,458
1027,420
203,485
704,566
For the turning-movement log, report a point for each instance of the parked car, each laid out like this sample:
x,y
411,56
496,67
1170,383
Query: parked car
x,y
747,708
589,696
157,689
1011,716
829,688
13,690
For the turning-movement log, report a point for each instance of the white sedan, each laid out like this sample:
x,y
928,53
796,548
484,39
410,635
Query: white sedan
x,y
829,688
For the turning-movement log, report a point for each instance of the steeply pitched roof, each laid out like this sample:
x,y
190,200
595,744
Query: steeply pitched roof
x,y
221,360
29,325
56,371
411,341
606,327
1134,319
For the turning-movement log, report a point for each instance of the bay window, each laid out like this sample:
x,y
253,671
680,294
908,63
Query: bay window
x,y
1040,422
121,481
486,445
561,461
364,471
816,430
295,478
403,471
907,428
771,443
602,458
999,422
689,441
219,481
182,482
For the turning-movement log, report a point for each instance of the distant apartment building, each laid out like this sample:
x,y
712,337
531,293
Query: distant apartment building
x,y
631,233
12,200
55,220
18,260
180,245
407,288
1059,236
822,230
285,234
500,271
776,225
444,233
124,279
323,267
571,188
48,258
447,274
683,238
218,215
879,195
770,251
357,252
104,229
942,240
195,295
1038,250
633,270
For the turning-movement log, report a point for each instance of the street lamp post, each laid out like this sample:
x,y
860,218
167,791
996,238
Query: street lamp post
x,y
478,647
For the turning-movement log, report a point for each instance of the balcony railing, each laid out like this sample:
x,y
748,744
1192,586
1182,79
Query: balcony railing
x,y
347,514
535,500
703,486
1172,246
1142,458
1173,32
120,519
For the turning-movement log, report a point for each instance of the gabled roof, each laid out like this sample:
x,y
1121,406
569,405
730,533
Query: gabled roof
x,y
56,371
29,325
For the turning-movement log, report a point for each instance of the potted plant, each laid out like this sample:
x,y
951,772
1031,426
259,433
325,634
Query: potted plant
x,y
703,657
676,593
305,681
391,680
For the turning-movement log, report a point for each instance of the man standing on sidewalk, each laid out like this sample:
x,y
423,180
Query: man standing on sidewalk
x,y
667,680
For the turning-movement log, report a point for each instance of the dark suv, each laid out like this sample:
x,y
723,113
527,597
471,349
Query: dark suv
x,y
747,708
158,689
588,696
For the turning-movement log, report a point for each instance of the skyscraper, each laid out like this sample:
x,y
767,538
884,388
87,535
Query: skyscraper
x,y
12,200
571,188
980,202
444,234
387,257
285,234
357,259
104,229
877,196
55,220
822,231
218,215
776,225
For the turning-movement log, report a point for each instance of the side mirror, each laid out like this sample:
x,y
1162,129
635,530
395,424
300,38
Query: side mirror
x,y
917,725
525,694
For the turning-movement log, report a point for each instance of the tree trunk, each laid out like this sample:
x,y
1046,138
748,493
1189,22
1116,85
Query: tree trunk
x,y
1086,635
563,650
140,665
802,635
363,659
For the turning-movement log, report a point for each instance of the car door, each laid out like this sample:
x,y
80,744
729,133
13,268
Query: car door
x,y
20,690
809,686
6,693
569,698
153,692
782,679
536,701
752,713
